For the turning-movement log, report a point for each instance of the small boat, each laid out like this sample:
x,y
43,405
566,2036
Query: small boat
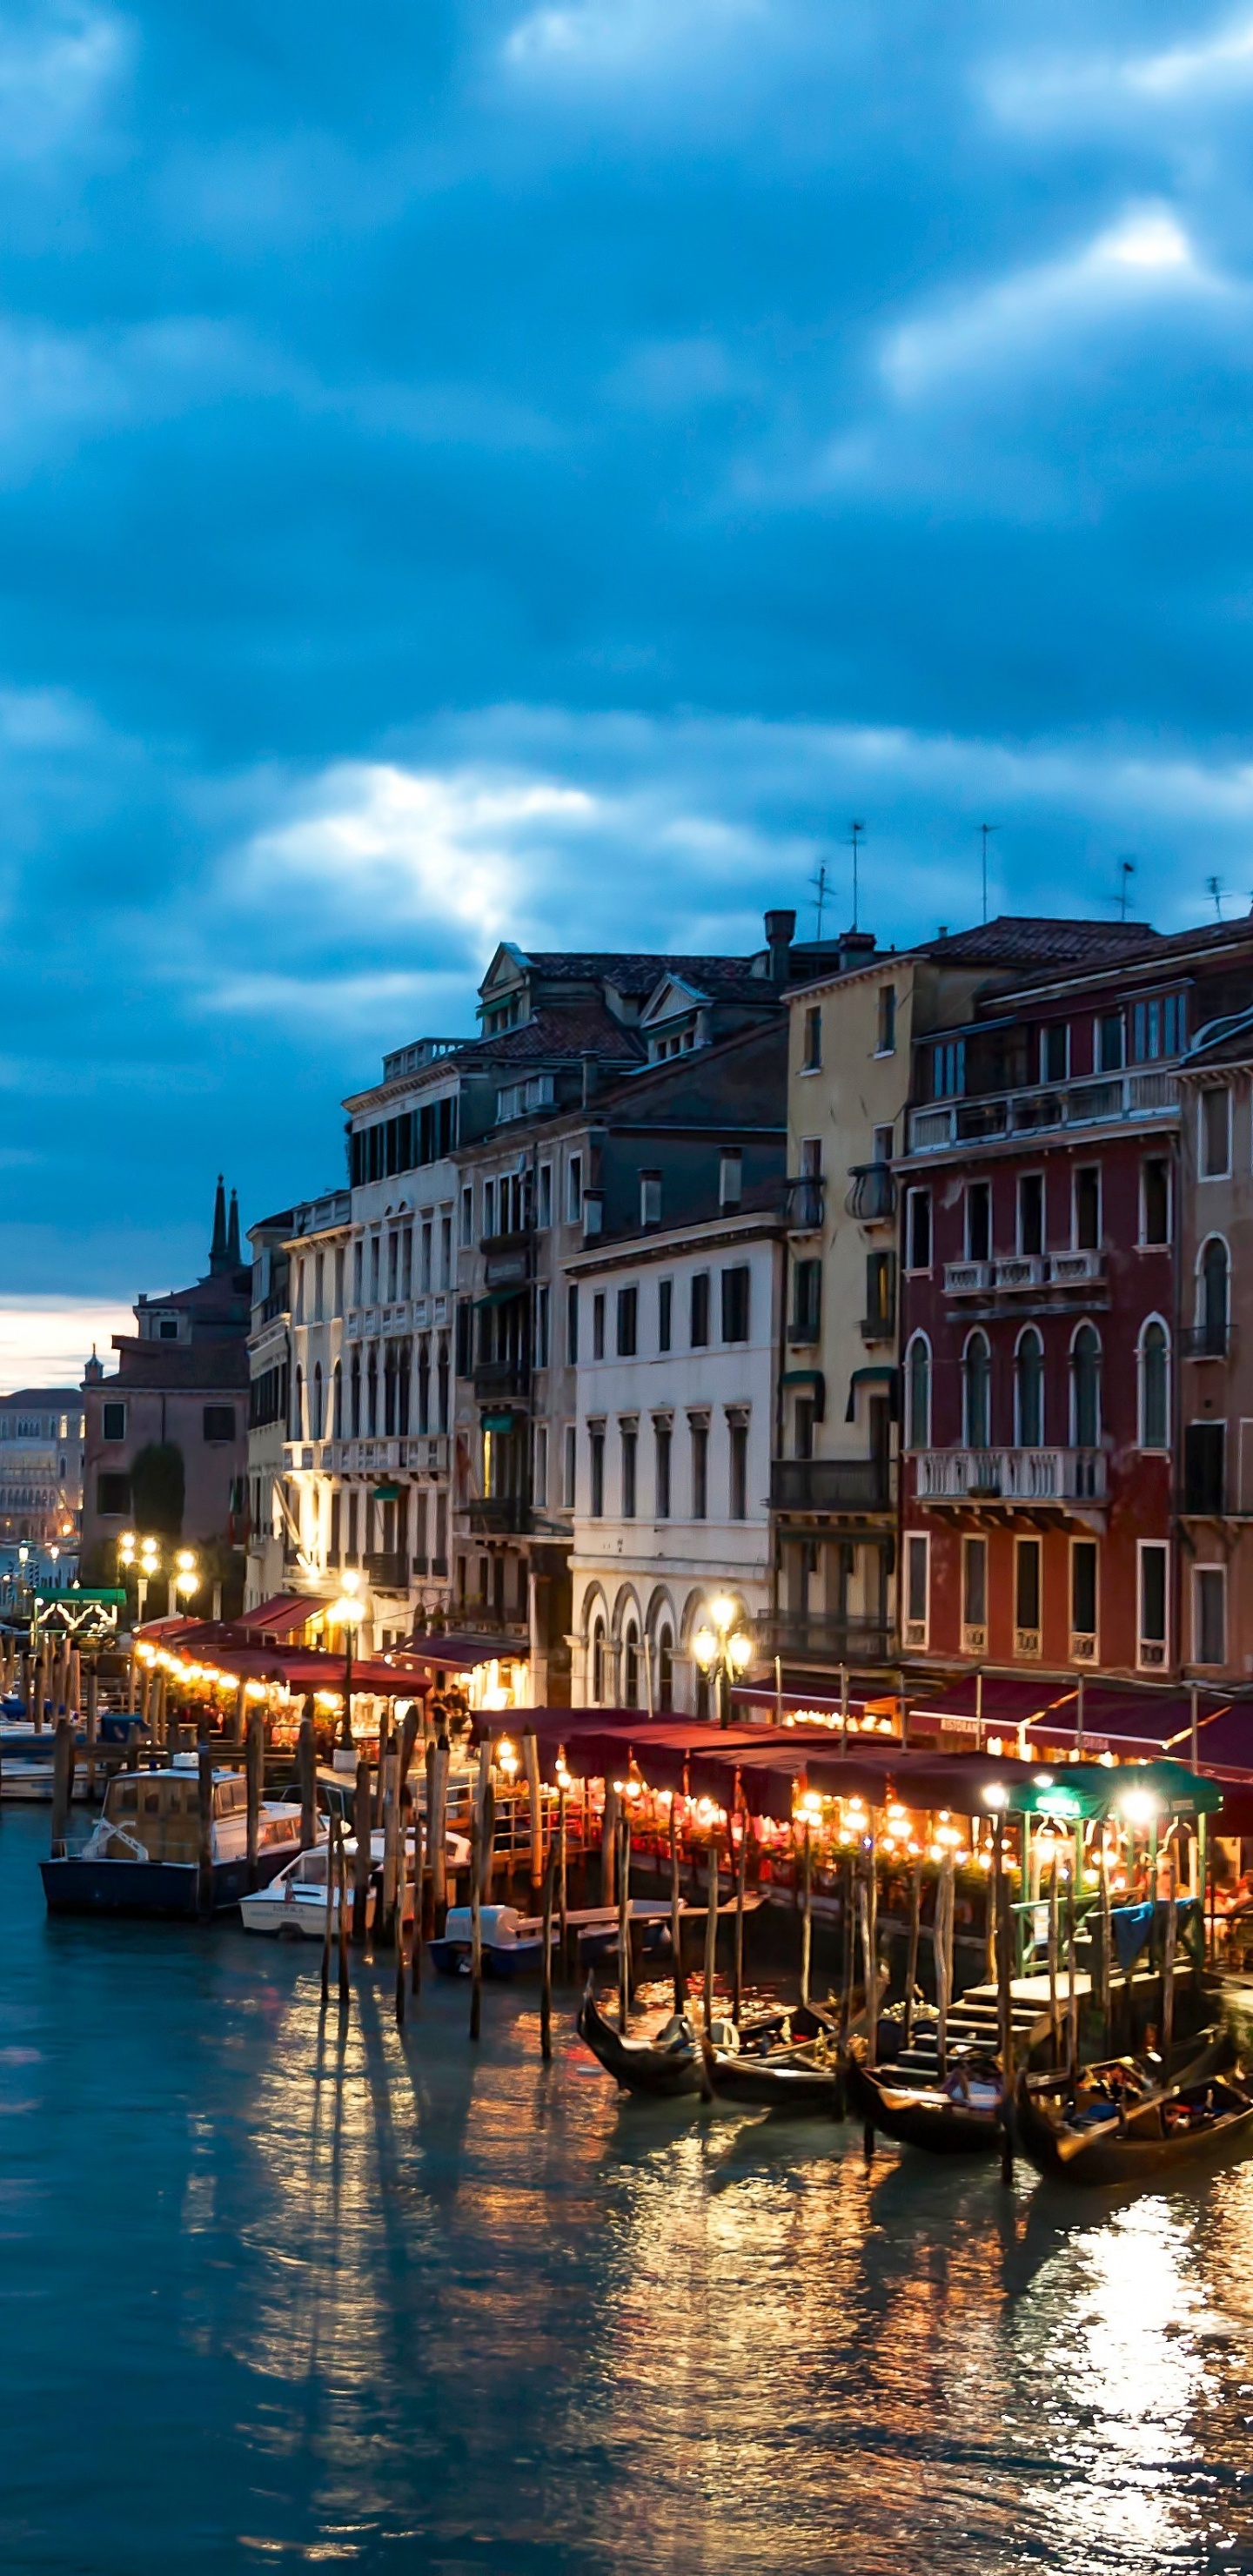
x,y
963,2115
793,2067
143,1856
293,1906
1120,2122
665,2066
510,1943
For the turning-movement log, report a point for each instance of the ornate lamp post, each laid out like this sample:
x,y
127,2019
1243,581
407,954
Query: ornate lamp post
x,y
723,1650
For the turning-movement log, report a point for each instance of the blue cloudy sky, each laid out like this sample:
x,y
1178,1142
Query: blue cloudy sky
x,y
540,470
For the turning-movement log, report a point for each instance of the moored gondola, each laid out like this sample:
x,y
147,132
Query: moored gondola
x,y
665,2067
1120,2123
963,2116
793,2067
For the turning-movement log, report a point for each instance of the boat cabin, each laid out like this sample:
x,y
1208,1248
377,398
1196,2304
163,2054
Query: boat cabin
x,y
161,1809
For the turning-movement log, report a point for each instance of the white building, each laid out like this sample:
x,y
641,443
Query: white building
x,y
678,1335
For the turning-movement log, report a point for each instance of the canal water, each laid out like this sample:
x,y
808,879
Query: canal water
x,y
274,2294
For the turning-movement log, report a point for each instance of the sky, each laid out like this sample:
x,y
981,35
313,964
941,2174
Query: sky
x,y
542,471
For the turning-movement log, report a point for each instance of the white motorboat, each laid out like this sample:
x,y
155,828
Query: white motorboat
x,y
143,1856
293,1906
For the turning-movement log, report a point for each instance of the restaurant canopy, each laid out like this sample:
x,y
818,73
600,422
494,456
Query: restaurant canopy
x,y
460,1652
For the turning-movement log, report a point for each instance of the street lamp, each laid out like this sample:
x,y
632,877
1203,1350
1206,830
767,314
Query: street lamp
x,y
723,1650
345,1613
184,1579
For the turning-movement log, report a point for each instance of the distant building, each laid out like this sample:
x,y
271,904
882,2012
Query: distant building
x,y
177,1406
41,1467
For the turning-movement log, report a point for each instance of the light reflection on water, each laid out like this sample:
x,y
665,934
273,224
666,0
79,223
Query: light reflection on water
x,y
273,2290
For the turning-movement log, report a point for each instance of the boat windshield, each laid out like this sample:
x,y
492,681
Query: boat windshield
x,y
161,1810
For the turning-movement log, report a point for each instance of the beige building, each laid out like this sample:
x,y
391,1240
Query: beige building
x,y
1214,1438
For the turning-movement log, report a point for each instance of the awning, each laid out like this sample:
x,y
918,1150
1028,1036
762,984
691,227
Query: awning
x,y
500,1296
279,1615
882,1373
455,1653
496,1421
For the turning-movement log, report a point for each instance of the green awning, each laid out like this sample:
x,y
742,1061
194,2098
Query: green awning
x,y
497,1421
500,1296
386,1493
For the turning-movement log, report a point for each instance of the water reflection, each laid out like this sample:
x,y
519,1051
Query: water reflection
x,y
307,2289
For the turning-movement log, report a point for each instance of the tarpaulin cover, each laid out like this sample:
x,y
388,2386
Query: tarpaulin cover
x,y
1131,1925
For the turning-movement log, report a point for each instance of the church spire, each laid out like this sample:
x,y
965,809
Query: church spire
x,y
232,1239
218,1256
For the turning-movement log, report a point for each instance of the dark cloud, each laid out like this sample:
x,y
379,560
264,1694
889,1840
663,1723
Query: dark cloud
x,y
468,470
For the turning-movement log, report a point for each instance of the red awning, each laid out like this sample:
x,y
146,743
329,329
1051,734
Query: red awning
x,y
455,1654
278,1616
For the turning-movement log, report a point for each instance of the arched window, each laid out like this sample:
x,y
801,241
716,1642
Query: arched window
x,y
665,1666
1085,1388
1154,1387
918,1393
424,1384
355,1383
631,1665
598,1663
404,1382
372,1394
977,1392
338,1402
1212,1316
389,1392
1029,1390
315,1426
298,1406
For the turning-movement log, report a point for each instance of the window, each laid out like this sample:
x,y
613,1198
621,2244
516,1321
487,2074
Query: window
x,y
358,1254
445,1251
596,1451
333,1542
804,1418
1154,1386
885,1033
665,1302
918,1230
315,1426
1083,1601
739,1470
393,1265
979,1221
665,1667
298,1403
628,1321
467,1232
167,1332
811,1059
1086,1208
631,1665
569,1468
806,1301
1214,1132
598,1325
1151,1598
1109,1043
574,1190
1154,1201
113,1421
730,1178
630,1447
539,1467
572,1325
544,1196
1031,1213
1204,1468
426,1273
375,1257
700,1310
337,1401
1158,1028
1027,1596
975,1596
916,1588
1029,1390
1085,1388
880,1319
1209,1614
948,1070
976,1392
113,1497
735,1303
406,1278
598,1663
1055,1052
881,1142
1212,1299
541,1326
700,1466
918,1393
489,1208
662,1438
650,1198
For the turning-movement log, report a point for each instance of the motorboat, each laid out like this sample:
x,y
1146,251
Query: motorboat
x,y
511,1944
143,1855
1124,2120
293,1905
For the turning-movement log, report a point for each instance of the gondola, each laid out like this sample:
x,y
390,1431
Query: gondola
x,y
665,2067
962,2116
1120,2125
777,2070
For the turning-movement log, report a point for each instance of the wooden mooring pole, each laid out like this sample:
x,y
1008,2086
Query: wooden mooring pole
x,y
676,1916
204,1768
546,1968
363,1828
415,1945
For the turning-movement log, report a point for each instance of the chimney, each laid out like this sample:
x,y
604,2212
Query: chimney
x,y
780,932
588,1061
730,1178
856,948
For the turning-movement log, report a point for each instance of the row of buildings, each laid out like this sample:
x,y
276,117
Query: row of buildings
x,y
897,1294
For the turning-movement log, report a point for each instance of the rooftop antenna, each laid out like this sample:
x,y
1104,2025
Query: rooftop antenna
x,y
855,831
1126,871
822,886
1213,885
985,828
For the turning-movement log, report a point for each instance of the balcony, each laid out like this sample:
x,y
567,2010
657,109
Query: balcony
x,y
1208,1341
500,1381
1026,1273
831,1485
1108,1099
872,1197
803,1199
1017,1477
804,1330
798,1636
498,1515
878,1328
387,1569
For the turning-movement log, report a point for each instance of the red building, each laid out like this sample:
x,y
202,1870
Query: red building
x,y
1038,1228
